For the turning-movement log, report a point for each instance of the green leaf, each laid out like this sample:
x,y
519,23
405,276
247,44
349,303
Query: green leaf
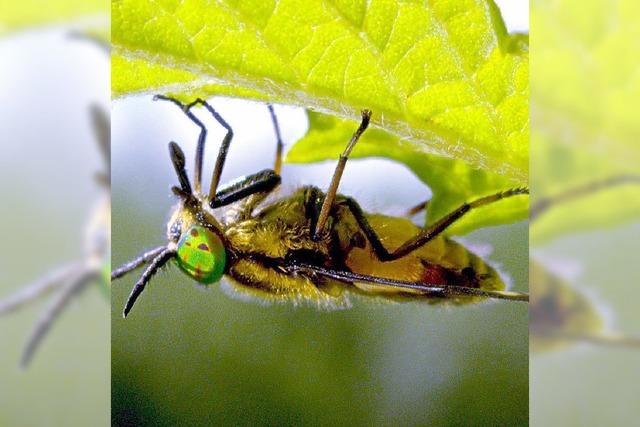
x,y
452,182
584,107
23,14
442,74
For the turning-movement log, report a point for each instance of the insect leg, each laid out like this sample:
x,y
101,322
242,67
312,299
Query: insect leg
x,y
137,262
37,289
224,147
78,282
417,209
546,203
277,167
257,197
434,230
337,175
161,259
426,234
441,291
186,109
178,160
262,182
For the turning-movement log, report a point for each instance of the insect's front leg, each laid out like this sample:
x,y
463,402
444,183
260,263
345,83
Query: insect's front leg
x,y
224,147
258,184
137,262
252,203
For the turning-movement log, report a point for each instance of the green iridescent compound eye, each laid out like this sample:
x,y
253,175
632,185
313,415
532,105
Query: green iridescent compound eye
x,y
201,255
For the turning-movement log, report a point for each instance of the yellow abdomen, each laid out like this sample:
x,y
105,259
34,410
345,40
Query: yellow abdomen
x,y
439,262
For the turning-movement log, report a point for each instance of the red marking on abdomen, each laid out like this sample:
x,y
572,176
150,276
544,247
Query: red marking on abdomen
x,y
436,275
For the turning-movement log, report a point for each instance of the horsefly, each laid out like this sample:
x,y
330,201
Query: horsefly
x,y
311,246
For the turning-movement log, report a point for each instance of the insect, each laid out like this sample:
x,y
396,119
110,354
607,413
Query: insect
x,y
559,314
70,279
310,246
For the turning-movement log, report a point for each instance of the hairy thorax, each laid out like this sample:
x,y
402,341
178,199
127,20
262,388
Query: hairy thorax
x,y
278,231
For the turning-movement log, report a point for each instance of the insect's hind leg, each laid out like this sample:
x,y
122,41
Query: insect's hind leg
x,y
426,234
442,291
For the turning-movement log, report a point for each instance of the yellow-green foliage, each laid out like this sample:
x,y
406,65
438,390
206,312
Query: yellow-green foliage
x,y
452,181
17,15
586,88
442,77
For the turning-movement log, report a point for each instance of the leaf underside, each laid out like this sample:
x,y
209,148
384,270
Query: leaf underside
x,y
444,79
452,182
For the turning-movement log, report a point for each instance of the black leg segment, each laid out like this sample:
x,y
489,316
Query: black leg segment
x,y
186,109
137,262
441,291
161,259
436,229
261,182
178,160
425,235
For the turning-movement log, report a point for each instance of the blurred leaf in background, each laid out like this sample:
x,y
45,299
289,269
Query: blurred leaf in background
x,y
584,107
584,104
26,14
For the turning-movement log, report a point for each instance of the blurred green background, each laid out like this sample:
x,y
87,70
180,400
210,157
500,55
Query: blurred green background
x,y
193,356
590,385
47,164
584,104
